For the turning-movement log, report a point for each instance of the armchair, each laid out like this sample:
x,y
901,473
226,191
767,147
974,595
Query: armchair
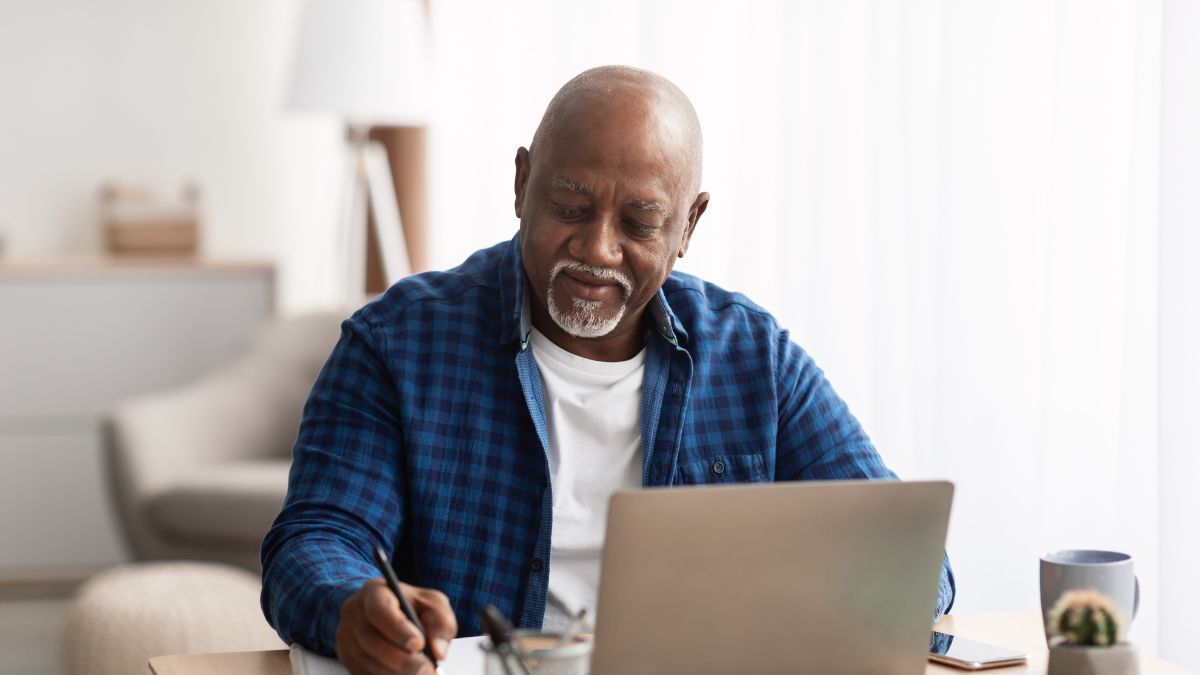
x,y
200,472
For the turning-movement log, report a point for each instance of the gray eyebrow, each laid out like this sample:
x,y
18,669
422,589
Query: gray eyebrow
x,y
643,205
560,183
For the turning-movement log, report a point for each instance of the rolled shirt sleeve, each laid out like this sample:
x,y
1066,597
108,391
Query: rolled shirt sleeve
x,y
345,495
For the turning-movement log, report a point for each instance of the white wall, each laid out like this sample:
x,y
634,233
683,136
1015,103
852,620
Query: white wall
x,y
157,92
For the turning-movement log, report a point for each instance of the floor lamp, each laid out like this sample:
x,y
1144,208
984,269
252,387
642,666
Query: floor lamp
x,y
367,183
364,60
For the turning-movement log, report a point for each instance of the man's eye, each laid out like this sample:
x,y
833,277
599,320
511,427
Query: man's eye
x,y
639,229
567,212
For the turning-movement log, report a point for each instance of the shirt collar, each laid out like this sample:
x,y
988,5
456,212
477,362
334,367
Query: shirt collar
x,y
514,312
666,324
515,322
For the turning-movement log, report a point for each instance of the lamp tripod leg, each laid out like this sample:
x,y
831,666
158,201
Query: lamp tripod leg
x,y
389,230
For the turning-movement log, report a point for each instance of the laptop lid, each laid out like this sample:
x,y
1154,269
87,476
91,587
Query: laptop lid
x,y
822,577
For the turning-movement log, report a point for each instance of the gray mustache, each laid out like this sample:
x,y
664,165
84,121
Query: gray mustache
x,y
606,273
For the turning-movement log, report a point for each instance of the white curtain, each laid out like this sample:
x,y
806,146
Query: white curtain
x,y
953,205
1179,332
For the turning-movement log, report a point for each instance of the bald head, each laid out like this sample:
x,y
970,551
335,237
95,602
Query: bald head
x,y
629,105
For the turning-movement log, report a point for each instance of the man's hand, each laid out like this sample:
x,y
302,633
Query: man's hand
x,y
374,638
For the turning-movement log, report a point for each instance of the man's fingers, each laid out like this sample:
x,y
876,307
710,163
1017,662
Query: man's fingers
x,y
374,654
374,638
382,611
438,618
379,646
431,597
440,632
359,661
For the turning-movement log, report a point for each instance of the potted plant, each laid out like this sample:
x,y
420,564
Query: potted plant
x,y
1087,637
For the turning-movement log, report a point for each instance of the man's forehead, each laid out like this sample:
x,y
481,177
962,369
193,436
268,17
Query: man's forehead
x,y
624,118
591,159
639,143
648,187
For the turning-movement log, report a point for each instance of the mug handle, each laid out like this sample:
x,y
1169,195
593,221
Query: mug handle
x,y
1137,596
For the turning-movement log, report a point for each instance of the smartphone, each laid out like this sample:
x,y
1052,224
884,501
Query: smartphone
x,y
969,654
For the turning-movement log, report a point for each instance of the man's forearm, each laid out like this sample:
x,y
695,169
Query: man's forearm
x,y
306,578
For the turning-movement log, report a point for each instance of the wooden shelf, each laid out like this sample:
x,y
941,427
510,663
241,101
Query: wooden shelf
x,y
16,268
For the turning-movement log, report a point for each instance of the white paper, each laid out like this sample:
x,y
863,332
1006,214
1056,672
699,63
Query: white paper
x,y
465,658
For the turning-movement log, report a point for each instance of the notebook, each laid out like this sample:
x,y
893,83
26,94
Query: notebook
x,y
465,658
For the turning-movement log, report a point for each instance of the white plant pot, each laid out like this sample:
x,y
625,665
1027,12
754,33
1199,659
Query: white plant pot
x,y
1119,659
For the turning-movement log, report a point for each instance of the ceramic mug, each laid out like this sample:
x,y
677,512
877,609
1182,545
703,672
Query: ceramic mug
x,y
546,656
1108,572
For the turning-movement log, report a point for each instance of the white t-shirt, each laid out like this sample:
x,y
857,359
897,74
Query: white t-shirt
x,y
593,417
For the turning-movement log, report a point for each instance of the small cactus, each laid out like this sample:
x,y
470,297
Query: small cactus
x,y
1087,618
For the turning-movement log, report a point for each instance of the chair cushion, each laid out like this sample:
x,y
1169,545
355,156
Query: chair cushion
x,y
232,503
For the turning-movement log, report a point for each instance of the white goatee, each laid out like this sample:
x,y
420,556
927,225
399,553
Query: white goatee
x,y
583,319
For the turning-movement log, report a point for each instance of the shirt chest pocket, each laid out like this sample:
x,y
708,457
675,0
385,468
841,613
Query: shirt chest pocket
x,y
723,469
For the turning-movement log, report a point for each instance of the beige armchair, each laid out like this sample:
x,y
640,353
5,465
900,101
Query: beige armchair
x,y
200,472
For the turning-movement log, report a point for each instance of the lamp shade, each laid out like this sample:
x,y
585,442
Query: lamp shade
x,y
364,60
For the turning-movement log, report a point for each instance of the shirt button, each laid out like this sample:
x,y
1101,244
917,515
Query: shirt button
x,y
718,467
537,565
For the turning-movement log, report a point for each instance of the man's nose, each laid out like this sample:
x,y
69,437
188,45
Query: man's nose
x,y
598,242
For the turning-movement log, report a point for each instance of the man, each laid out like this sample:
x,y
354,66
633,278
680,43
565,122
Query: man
x,y
475,421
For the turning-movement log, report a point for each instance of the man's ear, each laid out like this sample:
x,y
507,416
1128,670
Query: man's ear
x,y
521,180
694,213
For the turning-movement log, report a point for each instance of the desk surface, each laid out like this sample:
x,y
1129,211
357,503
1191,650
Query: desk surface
x,y
1019,630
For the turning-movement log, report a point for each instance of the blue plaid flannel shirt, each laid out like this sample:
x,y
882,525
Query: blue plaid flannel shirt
x,y
425,434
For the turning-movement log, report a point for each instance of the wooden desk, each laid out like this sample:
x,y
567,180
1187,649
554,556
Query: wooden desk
x,y
1023,631
1019,630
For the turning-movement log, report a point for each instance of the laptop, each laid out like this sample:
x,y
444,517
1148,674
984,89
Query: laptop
x,y
826,577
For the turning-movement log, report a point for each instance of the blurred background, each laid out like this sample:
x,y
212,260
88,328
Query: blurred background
x,y
981,218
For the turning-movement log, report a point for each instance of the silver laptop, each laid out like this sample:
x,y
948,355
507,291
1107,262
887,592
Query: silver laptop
x,y
811,577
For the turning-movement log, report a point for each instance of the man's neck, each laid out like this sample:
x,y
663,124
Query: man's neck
x,y
622,344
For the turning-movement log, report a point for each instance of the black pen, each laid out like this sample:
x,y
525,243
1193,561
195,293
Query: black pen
x,y
389,574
